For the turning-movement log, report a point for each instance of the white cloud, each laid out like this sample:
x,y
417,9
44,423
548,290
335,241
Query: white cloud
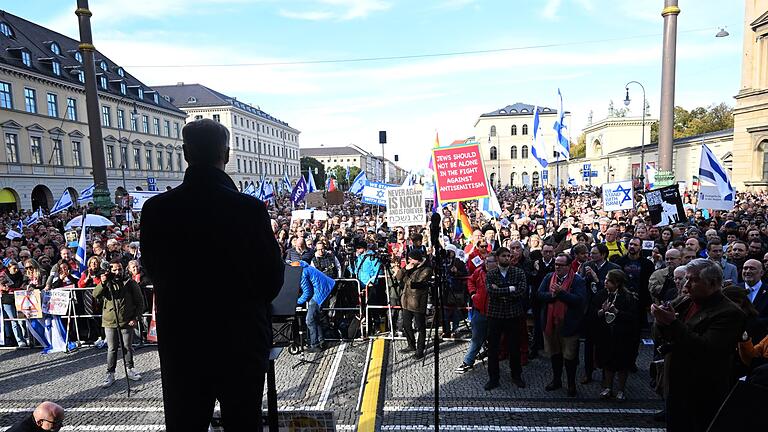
x,y
551,9
342,10
307,15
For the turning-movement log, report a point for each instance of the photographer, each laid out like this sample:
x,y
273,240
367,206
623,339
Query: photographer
x,y
415,281
123,305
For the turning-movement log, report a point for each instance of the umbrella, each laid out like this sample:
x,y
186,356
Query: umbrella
x,y
90,220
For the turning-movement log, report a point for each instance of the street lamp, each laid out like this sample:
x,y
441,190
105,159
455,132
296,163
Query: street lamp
x,y
627,100
722,33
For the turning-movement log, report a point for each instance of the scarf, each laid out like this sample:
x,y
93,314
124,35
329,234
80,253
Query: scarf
x,y
556,310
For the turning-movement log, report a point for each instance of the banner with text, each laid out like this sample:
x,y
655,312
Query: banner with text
x,y
405,207
375,193
138,198
618,196
28,303
459,173
56,301
665,206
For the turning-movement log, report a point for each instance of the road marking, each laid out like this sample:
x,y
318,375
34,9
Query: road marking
x,y
370,403
518,428
88,409
395,408
331,377
120,427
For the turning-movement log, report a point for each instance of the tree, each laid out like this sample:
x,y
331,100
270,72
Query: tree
x,y
308,163
579,149
340,174
698,121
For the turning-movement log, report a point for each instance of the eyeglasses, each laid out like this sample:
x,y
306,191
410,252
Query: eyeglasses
x,y
56,423
29,268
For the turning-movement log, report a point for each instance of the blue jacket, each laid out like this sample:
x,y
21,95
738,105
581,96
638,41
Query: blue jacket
x,y
367,267
576,300
314,284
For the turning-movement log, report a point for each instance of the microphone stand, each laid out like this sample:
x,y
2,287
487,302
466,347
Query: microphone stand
x,y
438,270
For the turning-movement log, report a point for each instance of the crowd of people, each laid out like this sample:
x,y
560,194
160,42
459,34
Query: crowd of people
x,y
564,278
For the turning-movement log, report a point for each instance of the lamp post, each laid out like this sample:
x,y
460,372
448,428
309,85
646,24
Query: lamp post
x,y
627,100
667,112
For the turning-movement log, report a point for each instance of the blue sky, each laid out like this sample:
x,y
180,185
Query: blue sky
x,y
602,45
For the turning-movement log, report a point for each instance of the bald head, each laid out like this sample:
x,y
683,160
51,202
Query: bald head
x,y
49,416
672,258
752,271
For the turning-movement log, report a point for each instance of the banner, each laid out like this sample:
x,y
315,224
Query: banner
x,y
301,214
138,198
334,197
665,206
618,196
375,193
405,207
459,173
56,301
715,190
28,303
314,199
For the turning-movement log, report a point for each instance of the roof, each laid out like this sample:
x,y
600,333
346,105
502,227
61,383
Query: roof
x,y
330,151
725,133
519,108
38,42
197,95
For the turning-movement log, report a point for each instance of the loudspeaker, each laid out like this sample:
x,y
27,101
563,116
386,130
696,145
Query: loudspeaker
x,y
382,137
397,158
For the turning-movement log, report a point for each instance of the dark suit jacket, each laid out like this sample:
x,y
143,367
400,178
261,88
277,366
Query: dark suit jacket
x,y
760,327
576,300
187,234
697,369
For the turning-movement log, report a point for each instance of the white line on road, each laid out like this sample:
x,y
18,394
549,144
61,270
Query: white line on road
x,y
395,408
517,428
121,427
331,377
88,409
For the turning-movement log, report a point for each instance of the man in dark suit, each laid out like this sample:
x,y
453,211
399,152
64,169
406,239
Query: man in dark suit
x,y
752,273
541,267
224,358
698,334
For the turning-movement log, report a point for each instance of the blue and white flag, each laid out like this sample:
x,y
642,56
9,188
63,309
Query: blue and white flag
x,y
34,217
490,205
286,183
359,183
62,204
269,192
81,248
715,189
299,191
572,181
347,176
410,180
562,145
87,193
540,197
21,226
650,175
537,148
310,182
250,190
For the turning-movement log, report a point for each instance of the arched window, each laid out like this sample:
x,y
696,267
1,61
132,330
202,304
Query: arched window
x,y
492,178
525,129
526,179
55,48
512,178
524,152
494,153
493,130
514,152
514,129
535,179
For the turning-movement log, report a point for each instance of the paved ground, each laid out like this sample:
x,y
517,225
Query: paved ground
x,y
333,384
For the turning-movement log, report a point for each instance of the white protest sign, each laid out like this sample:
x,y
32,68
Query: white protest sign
x,y
56,301
618,196
12,235
301,214
648,244
405,206
138,199
320,215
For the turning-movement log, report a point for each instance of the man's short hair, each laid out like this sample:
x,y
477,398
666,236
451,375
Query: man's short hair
x,y
567,257
603,249
713,242
580,248
206,142
500,251
116,261
706,269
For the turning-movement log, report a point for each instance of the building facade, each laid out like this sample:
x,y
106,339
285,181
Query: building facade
x,y
44,123
376,168
506,136
260,145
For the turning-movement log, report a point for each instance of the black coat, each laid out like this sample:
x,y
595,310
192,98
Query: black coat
x,y
201,224
27,424
615,342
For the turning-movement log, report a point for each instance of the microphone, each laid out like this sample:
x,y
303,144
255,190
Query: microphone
x,y
434,230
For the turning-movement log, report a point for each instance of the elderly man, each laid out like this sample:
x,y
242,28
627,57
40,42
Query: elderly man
x,y
699,334
615,247
661,285
752,274
715,253
47,416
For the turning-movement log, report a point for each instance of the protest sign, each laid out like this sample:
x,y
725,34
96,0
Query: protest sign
x,y
56,301
28,303
320,215
618,196
405,207
138,199
459,173
314,199
12,235
301,214
375,193
334,197
665,206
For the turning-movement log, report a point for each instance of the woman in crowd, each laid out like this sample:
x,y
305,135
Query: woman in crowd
x,y
61,277
11,281
91,327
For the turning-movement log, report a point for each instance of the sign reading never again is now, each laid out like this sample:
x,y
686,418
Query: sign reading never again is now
x,y
459,173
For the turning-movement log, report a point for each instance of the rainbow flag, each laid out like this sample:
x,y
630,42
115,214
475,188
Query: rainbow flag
x,y
463,227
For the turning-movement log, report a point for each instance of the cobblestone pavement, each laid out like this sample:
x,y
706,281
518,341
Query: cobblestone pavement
x,y
332,384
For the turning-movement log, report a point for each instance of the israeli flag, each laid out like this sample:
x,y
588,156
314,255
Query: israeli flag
x,y
286,183
81,248
537,148
490,206
311,182
62,204
572,181
250,190
715,189
269,191
347,175
562,146
21,226
359,183
540,198
34,217
410,180
87,193
650,175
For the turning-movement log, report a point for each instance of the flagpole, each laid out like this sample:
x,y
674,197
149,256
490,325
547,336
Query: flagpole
x,y
557,195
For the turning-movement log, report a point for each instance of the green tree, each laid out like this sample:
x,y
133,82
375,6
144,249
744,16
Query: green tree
x,y
698,121
308,163
579,149
340,174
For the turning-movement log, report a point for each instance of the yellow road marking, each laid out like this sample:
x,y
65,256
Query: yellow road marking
x,y
370,403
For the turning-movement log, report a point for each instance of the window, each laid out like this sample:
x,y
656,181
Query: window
x,y
166,128
148,158
237,142
77,158
238,164
121,72
26,58
159,160
217,118
178,161
494,153
176,129
250,164
155,98
525,129
58,154
145,124
78,57
137,158
123,88
140,92
121,119
124,157
53,106
72,109
103,81
6,30
37,150
514,152
11,148
156,125
514,130
81,76
191,100
6,101
535,182
56,68
110,156
30,100
249,145
134,119
103,65
524,152
170,161
106,116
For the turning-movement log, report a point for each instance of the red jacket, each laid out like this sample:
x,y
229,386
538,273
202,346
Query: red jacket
x,y
477,290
